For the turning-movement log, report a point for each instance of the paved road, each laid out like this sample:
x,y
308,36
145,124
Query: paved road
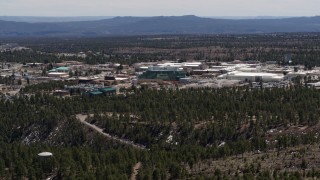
x,y
82,119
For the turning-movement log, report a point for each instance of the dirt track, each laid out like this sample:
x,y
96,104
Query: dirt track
x,y
82,119
135,172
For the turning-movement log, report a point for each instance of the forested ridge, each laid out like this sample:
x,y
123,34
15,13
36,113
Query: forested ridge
x,y
180,128
303,47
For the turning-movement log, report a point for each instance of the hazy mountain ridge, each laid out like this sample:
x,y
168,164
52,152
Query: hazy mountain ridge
x,y
37,19
160,25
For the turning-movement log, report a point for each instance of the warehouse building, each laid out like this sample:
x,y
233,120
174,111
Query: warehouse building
x,y
163,73
253,76
58,74
60,69
107,91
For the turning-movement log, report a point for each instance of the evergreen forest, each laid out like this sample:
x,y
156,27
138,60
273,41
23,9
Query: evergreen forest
x,y
179,128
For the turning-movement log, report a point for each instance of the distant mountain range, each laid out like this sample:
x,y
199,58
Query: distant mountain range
x,y
159,25
41,19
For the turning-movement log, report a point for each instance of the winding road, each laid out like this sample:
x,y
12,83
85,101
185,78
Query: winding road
x,y
82,118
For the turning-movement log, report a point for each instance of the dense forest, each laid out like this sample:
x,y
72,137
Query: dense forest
x,y
303,47
227,133
180,128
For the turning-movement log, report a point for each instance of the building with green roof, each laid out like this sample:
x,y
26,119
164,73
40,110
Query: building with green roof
x,y
108,91
60,69
95,93
163,73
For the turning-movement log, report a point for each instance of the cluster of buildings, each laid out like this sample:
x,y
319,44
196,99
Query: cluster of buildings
x,y
109,78
11,47
87,79
208,74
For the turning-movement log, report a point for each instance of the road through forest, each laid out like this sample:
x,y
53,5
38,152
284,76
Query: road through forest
x,y
82,118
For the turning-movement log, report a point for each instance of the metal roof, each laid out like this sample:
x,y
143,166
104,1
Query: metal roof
x,y
107,89
63,68
95,92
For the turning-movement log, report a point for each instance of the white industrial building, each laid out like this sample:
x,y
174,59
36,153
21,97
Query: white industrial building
x,y
58,74
292,75
252,76
315,85
191,65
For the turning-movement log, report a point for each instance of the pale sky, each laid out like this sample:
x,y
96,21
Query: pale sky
x,y
159,7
